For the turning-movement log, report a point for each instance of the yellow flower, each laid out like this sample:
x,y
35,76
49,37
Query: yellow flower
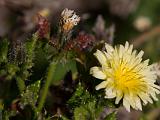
x,y
125,76
69,19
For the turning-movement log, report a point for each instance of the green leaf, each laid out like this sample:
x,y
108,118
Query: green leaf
x,y
23,73
11,70
30,95
30,51
73,68
80,97
60,72
81,113
20,84
64,67
111,116
86,106
4,50
86,112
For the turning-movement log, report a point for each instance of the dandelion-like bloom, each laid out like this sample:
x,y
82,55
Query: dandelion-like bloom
x,y
125,76
69,19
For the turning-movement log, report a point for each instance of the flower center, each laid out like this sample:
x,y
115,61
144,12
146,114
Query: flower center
x,y
127,78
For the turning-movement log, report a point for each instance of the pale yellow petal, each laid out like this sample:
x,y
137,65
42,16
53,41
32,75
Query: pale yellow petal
x,y
138,103
101,57
97,72
101,85
119,96
140,54
121,51
154,96
130,49
109,48
126,103
110,93
126,46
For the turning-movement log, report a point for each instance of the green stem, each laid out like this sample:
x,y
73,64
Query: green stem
x,y
50,74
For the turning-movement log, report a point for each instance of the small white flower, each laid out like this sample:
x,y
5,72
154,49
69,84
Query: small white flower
x,y
69,19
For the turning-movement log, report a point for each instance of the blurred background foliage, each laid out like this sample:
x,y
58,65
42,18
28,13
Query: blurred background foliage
x,y
30,66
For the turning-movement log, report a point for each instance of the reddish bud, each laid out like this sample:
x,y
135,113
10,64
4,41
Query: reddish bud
x,y
43,27
82,42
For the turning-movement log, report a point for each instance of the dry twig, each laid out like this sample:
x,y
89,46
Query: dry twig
x,y
146,36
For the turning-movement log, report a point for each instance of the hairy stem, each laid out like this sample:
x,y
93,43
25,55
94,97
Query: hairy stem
x,y
50,74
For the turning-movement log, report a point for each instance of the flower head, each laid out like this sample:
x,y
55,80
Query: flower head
x,y
125,76
69,19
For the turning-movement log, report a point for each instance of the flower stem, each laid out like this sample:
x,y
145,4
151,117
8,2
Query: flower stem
x,y
50,75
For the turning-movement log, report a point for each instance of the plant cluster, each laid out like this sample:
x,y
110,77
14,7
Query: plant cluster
x,y
49,75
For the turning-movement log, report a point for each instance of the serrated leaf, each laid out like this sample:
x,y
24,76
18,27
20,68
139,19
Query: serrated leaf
x,y
20,84
86,112
80,97
81,113
86,105
30,47
30,95
11,70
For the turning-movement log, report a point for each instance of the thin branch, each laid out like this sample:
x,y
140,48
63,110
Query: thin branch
x,y
146,36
